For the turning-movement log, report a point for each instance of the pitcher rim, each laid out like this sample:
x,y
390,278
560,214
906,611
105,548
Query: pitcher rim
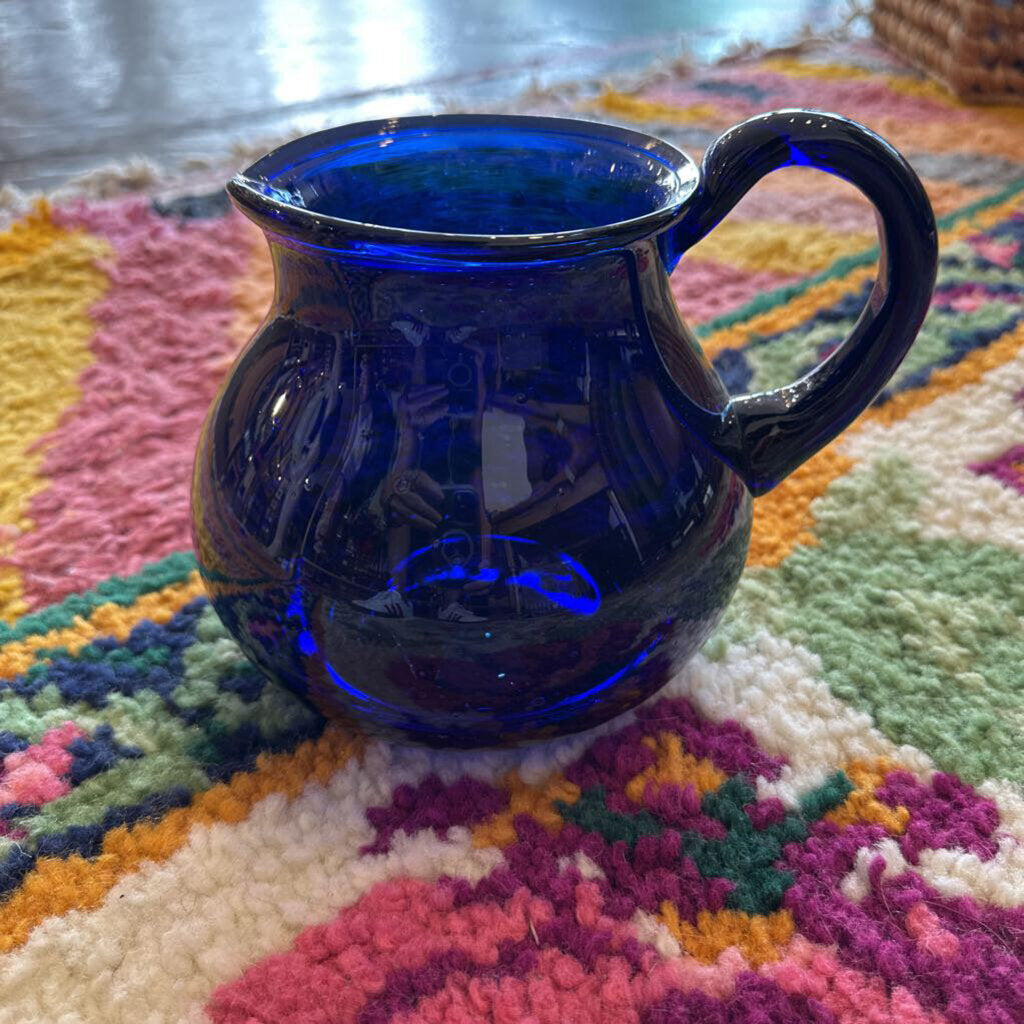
x,y
252,191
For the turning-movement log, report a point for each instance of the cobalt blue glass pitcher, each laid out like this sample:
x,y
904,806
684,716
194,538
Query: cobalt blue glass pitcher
x,y
473,480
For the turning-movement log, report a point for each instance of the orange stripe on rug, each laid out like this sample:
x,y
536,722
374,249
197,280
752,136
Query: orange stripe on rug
x,y
109,619
253,289
783,518
761,938
988,136
58,885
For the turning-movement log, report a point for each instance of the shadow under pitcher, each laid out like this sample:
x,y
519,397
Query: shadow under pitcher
x,y
473,480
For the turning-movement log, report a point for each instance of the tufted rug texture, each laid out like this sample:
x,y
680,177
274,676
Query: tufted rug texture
x,y
820,820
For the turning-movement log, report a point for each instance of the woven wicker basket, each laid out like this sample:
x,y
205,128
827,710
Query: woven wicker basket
x,y
975,47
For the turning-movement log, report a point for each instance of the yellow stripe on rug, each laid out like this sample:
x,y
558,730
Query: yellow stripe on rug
x,y
809,301
50,278
902,84
758,245
635,108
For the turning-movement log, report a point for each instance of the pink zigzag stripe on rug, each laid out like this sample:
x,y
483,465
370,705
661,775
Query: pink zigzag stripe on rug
x,y
125,477
775,199
706,289
345,971
869,97
405,953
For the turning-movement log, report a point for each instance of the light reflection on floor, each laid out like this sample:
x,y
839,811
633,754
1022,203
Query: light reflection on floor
x,y
85,83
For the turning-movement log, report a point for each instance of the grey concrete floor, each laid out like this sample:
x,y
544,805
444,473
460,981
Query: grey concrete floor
x,y
87,83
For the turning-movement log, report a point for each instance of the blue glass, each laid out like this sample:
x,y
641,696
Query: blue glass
x,y
473,480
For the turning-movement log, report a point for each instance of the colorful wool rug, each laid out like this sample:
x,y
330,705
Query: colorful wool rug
x,y
821,819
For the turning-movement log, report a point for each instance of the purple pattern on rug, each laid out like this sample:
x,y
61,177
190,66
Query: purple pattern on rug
x,y
984,982
967,296
642,879
613,760
675,806
434,805
948,813
405,987
1008,468
766,812
755,1000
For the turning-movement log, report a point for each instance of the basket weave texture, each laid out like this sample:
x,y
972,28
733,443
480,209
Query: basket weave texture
x,y
975,47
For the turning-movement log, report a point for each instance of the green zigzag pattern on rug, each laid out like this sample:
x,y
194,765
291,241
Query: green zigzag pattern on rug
x,y
923,634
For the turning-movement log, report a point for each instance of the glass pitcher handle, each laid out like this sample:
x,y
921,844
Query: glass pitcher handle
x,y
765,436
